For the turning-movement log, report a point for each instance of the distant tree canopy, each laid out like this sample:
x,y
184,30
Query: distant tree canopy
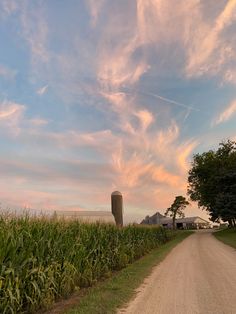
x,y
212,182
177,208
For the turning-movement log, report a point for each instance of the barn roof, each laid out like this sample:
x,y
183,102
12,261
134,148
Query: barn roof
x,y
86,216
83,213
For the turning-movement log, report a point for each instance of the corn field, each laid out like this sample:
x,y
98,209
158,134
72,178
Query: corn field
x,y
42,260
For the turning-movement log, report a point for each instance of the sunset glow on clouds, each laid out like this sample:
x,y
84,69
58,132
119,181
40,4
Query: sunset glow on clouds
x,y
104,95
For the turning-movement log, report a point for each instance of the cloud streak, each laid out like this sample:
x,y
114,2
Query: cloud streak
x,y
41,91
11,114
211,51
95,7
226,114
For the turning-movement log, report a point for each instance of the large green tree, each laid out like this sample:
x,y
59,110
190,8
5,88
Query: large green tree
x,y
212,182
177,208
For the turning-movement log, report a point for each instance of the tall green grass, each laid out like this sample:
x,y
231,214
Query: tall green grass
x,y
228,236
42,260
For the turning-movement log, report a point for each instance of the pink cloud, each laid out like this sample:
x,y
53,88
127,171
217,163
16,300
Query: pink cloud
x,y
203,33
209,50
116,66
146,119
184,153
130,172
11,115
159,174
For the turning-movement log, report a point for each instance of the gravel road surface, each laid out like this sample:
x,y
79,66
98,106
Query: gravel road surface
x,y
198,276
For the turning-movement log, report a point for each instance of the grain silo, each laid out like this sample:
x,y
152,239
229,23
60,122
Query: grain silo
x,y
117,207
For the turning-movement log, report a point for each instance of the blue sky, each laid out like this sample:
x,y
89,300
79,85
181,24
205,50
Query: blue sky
x,y
101,95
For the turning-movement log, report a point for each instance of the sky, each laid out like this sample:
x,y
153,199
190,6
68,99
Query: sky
x,y
105,95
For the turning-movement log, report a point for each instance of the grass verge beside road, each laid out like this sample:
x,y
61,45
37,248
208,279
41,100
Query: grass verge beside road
x,y
111,294
228,236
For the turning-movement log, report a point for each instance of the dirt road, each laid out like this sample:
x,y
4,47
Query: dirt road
x,y
198,276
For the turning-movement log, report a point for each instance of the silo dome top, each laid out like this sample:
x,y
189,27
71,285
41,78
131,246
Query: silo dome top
x,y
116,193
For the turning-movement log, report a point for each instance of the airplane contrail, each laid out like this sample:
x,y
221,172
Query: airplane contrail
x,y
171,101
167,100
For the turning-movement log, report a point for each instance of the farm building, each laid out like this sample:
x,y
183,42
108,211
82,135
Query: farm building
x,y
181,223
86,216
115,216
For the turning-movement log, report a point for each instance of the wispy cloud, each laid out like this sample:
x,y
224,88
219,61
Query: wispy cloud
x,y
226,114
184,153
11,115
146,119
9,109
95,7
9,6
34,31
210,50
161,175
116,66
14,121
41,91
38,121
33,26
